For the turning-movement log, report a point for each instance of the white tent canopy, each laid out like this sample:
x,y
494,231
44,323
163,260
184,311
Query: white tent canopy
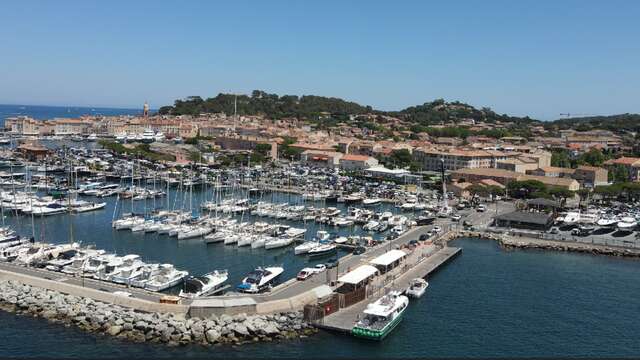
x,y
388,258
358,275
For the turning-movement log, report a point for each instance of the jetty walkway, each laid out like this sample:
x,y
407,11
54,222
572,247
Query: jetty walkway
x,y
417,266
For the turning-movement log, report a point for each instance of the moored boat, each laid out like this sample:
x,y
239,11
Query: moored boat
x,y
381,317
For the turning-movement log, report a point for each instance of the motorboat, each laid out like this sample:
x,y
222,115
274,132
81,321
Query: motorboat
x,y
588,218
204,285
305,247
607,221
417,288
148,136
323,250
571,218
371,201
381,316
260,279
64,259
370,226
627,223
166,277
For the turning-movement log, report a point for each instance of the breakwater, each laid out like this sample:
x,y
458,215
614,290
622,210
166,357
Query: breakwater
x,y
172,329
527,242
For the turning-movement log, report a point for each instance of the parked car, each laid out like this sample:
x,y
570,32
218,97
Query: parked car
x,y
554,230
331,263
437,229
309,271
423,237
359,250
456,217
481,208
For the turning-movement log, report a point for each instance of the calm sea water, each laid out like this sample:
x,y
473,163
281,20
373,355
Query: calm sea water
x,y
43,112
486,303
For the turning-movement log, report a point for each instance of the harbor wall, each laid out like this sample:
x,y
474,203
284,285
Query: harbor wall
x,y
103,296
527,242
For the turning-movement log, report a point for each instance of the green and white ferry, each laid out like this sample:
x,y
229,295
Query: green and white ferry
x,y
381,317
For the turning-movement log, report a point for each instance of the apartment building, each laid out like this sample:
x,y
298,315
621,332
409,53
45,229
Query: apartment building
x,y
431,158
504,177
318,158
72,126
357,162
632,165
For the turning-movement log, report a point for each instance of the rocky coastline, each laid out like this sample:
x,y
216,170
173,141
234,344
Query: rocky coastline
x,y
125,323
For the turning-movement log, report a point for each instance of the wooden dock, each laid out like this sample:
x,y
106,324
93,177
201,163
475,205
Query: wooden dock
x,y
344,319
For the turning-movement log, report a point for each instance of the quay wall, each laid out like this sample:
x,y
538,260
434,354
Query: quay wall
x,y
248,305
103,296
528,242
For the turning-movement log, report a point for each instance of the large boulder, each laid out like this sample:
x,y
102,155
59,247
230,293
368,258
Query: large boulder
x,y
212,336
240,329
271,329
114,330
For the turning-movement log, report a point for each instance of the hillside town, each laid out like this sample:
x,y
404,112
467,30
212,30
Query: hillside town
x,y
402,155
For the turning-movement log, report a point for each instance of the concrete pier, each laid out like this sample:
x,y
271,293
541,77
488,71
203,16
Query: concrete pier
x,y
344,319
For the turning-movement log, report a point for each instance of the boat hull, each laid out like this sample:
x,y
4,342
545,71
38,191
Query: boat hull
x,y
377,335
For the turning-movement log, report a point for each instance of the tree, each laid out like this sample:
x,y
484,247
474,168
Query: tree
x,y
400,158
560,159
527,189
618,174
561,194
593,157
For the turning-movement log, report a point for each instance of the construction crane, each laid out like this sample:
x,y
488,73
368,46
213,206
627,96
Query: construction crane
x,y
568,115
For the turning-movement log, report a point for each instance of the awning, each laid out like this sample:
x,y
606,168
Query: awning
x,y
358,275
388,258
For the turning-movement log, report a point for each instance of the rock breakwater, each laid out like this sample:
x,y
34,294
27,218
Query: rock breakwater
x,y
126,323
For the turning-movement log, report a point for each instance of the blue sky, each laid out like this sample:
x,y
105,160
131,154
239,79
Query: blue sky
x,y
537,58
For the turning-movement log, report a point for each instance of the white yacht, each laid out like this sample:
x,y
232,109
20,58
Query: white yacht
x,y
148,136
204,285
92,137
627,223
371,201
305,247
278,242
260,279
166,277
571,218
607,221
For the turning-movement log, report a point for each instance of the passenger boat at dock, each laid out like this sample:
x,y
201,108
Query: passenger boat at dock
x,y
381,317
